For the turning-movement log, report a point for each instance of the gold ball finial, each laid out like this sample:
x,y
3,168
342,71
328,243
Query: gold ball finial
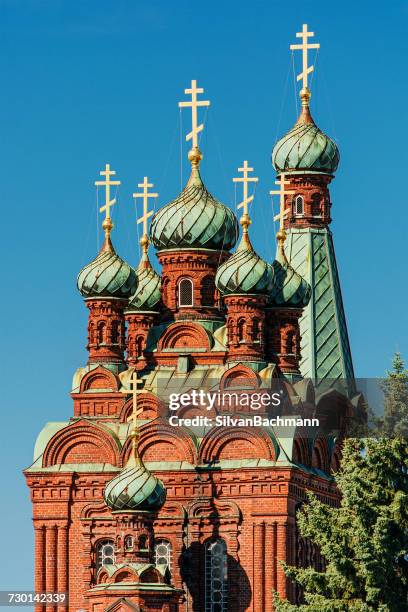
x,y
305,96
281,236
245,221
144,241
107,225
195,156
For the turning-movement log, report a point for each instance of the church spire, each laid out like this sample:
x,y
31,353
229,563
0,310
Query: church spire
x,y
307,158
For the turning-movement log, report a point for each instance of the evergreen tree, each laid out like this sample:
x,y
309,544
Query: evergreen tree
x,y
365,540
394,423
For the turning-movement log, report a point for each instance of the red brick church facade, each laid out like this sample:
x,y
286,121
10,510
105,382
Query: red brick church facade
x,y
231,494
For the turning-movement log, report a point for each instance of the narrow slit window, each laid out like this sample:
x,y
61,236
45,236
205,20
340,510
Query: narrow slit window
x,y
299,206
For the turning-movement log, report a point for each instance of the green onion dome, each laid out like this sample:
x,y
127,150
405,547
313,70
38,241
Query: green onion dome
x,y
148,294
305,147
135,488
288,287
245,272
195,219
107,275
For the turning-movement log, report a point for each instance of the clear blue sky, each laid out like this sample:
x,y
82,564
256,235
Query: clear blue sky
x,y
88,82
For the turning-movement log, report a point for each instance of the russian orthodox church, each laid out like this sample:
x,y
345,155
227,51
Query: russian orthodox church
x,y
134,514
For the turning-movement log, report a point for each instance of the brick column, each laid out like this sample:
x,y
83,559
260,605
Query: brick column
x,y
281,549
51,562
62,550
259,568
39,573
270,547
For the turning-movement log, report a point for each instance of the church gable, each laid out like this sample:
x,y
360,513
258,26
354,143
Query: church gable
x,y
82,442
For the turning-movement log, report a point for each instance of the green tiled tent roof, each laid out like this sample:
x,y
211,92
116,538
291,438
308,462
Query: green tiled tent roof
x,y
325,345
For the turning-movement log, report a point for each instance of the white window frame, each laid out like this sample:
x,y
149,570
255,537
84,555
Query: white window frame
x,y
216,577
183,280
167,556
295,209
101,555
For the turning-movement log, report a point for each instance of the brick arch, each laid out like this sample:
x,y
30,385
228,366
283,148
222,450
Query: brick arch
x,y
99,509
332,409
151,405
320,455
239,376
82,442
99,378
161,442
205,508
102,577
124,575
238,443
184,335
150,574
301,451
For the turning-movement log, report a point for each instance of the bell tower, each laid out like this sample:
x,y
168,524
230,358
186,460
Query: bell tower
x,y
306,159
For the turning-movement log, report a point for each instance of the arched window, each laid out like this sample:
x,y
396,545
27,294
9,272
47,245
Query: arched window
x,y
128,542
185,292
139,346
163,553
105,553
165,291
256,330
115,332
101,332
289,346
207,291
241,330
143,543
298,205
216,576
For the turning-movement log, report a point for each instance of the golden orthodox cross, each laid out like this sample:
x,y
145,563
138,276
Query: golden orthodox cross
x,y
145,195
134,381
283,212
194,103
107,183
304,47
245,179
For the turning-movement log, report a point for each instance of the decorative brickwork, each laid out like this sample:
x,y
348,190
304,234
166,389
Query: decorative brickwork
x,y
283,338
210,532
199,266
314,210
246,327
106,330
138,326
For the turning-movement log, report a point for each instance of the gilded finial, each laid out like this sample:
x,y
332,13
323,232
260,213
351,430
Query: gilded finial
x,y
145,195
134,432
283,212
194,155
281,238
245,220
306,70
